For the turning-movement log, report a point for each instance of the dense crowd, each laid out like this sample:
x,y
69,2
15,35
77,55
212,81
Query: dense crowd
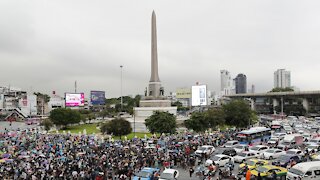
x,y
30,154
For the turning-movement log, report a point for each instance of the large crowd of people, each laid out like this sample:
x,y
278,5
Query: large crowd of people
x,y
29,154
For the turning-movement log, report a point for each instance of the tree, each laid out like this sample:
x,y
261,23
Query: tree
x,y
117,127
161,122
63,117
197,122
201,121
47,124
104,113
215,117
238,113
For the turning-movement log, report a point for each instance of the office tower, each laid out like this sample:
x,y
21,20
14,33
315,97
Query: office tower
x,y
282,78
241,83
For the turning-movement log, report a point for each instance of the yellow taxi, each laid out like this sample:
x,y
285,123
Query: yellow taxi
x,y
268,170
253,163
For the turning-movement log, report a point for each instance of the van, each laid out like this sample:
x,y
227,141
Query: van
x,y
305,171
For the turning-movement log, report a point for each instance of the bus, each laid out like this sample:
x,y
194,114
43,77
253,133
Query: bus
x,y
254,135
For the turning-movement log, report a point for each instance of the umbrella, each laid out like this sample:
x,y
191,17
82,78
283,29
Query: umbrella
x,y
6,155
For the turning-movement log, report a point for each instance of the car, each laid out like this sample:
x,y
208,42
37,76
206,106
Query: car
x,y
206,149
273,141
258,149
254,163
286,159
226,151
313,141
221,159
241,157
316,157
272,153
295,152
146,173
240,148
169,174
230,144
313,146
268,170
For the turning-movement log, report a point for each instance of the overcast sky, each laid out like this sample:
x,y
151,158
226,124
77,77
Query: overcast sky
x,y
47,45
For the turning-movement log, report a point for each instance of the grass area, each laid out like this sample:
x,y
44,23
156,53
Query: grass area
x,y
90,128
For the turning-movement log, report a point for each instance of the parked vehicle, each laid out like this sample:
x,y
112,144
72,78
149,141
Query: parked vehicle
x,y
241,147
253,163
286,159
169,174
241,157
268,170
230,144
226,151
305,171
295,152
254,135
206,149
221,159
272,153
258,149
146,173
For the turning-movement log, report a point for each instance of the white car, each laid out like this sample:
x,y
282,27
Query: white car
x,y
273,141
272,153
169,174
206,149
241,157
313,146
295,152
258,149
221,159
231,144
240,148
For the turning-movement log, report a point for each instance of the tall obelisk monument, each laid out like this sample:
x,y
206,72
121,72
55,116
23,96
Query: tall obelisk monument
x,y
154,83
154,99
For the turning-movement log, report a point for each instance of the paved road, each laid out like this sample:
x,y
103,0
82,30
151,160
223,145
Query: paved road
x,y
15,125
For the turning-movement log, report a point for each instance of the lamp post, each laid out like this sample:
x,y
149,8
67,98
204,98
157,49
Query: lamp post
x,y
121,87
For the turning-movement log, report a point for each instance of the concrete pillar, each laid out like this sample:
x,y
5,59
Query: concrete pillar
x,y
275,103
305,104
252,103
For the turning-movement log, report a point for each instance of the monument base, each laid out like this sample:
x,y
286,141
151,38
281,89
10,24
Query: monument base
x,y
155,103
142,113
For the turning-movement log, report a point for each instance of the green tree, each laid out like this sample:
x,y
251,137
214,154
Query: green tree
x,y
104,113
47,124
215,117
117,127
197,122
63,117
238,113
161,122
45,97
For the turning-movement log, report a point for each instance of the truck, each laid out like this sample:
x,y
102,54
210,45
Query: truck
x,y
291,141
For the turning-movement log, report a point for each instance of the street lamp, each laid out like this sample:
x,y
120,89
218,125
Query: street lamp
x,y
121,87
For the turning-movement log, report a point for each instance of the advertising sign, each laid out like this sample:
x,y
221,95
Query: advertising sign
x,y
199,95
183,93
97,97
74,99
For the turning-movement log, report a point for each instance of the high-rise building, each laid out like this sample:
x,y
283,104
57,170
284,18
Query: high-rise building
x,y
227,84
282,78
241,83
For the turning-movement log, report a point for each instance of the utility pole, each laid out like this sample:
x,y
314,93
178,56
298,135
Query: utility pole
x,y
121,88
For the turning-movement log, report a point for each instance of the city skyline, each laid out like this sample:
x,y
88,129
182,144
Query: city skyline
x,y
50,45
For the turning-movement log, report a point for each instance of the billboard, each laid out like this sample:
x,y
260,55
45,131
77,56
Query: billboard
x,y
199,95
97,97
74,99
183,93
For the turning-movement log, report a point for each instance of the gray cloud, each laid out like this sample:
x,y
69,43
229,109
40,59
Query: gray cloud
x,y
50,44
